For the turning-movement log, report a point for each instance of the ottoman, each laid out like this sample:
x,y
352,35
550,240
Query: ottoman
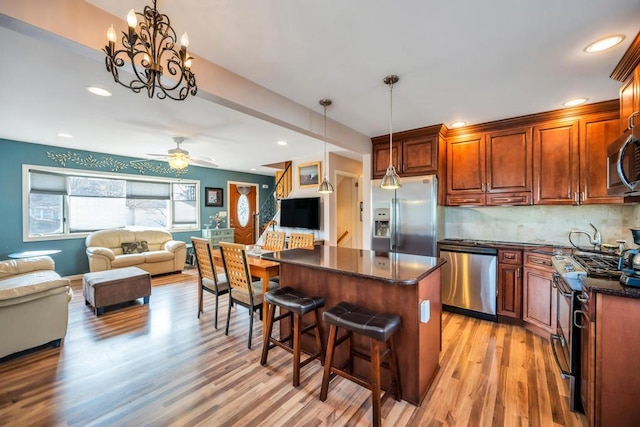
x,y
104,288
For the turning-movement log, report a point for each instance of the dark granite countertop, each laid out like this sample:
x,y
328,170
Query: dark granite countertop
x,y
389,267
543,248
610,287
603,286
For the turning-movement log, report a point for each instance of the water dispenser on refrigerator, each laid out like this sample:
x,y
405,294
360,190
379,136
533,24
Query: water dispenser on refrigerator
x,y
381,221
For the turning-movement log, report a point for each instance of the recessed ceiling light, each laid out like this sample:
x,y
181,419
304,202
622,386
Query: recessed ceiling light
x,y
65,135
457,124
574,102
98,91
252,169
282,142
604,44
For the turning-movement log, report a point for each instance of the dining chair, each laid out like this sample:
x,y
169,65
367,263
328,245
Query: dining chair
x,y
274,241
244,290
210,280
301,240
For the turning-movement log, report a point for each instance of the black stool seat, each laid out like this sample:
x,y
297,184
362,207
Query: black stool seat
x,y
293,306
292,300
379,326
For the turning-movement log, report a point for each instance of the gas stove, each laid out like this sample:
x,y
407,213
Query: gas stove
x,y
599,265
570,270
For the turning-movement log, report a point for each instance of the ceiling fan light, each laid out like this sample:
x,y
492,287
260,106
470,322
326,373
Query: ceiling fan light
x,y
391,180
325,187
178,161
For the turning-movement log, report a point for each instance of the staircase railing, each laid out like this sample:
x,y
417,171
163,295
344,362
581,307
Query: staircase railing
x,y
269,207
341,238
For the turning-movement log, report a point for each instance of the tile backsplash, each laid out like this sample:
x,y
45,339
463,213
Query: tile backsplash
x,y
542,224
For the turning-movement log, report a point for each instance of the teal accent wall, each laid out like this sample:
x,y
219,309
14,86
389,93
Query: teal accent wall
x,y
72,259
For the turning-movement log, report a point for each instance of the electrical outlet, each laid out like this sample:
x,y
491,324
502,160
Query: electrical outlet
x,y
425,311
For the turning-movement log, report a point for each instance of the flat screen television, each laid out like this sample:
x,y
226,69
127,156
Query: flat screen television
x,y
303,212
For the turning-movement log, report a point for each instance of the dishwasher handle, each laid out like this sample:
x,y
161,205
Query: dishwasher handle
x,y
480,250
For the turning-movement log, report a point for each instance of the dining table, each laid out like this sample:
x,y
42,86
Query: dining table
x,y
259,268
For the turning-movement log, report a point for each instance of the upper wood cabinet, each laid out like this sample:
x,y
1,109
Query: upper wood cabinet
x,y
492,168
415,152
556,163
466,171
597,131
570,160
630,104
627,72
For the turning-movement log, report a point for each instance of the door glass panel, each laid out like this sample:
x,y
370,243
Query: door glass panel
x,y
243,210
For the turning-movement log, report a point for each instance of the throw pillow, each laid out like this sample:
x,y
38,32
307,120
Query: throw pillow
x,y
142,246
129,248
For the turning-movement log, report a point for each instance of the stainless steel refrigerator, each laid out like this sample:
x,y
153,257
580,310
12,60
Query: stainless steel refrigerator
x,y
405,220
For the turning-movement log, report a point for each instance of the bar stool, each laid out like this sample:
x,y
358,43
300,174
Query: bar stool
x,y
295,305
379,327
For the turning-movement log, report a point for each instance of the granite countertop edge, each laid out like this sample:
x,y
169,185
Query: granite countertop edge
x,y
406,282
611,287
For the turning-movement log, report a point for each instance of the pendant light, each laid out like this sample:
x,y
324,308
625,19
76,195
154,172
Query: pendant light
x,y
325,186
391,180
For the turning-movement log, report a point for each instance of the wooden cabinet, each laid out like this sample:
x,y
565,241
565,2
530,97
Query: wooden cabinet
x,y
510,283
466,171
556,163
630,104
570,160
610,377
490,169
415,152
587,350
539,296
597,131
627,72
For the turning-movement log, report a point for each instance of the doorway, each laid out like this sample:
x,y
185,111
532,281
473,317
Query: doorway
x,y
348,219
242,209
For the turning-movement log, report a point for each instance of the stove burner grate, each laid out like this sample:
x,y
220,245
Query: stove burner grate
x,y
599,266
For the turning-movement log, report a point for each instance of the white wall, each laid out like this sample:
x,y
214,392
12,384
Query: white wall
x,y
542,224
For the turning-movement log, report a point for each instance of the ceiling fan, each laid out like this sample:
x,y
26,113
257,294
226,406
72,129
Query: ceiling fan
x,y
180,159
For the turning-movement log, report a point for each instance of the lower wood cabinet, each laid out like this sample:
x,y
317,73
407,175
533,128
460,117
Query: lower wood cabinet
x,y
539,296
610,377
510,283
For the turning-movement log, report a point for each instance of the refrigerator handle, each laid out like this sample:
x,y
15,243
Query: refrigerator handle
x,y
394,222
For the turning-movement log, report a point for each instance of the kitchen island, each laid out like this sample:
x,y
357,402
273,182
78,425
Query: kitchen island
x,y
381,281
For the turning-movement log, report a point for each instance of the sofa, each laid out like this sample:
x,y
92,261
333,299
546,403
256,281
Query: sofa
x,y
150,249
34,304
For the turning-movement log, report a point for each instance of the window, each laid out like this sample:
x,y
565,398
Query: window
x,y
62,202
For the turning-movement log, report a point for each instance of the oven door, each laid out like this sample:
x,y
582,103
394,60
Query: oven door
x,y
561,343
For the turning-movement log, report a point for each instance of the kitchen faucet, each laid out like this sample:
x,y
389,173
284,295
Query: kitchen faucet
x,y
595,240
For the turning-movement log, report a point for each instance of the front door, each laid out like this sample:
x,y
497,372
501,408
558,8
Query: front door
x,y
242,208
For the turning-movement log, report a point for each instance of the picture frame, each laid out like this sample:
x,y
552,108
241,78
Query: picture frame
x,y
309,174
213,197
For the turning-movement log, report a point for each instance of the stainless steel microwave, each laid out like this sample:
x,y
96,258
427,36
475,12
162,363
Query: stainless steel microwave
x,y
623,166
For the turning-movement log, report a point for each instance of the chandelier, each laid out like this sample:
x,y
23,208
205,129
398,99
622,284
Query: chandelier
x,y
149,46
325,186
391,180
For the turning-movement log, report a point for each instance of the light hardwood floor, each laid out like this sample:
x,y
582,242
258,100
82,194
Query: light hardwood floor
x,y
160,365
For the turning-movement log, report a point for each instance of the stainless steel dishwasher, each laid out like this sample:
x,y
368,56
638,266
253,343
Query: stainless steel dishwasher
x,y
469,283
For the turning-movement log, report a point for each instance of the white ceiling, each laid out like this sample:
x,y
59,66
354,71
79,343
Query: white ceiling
x,y
469,60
